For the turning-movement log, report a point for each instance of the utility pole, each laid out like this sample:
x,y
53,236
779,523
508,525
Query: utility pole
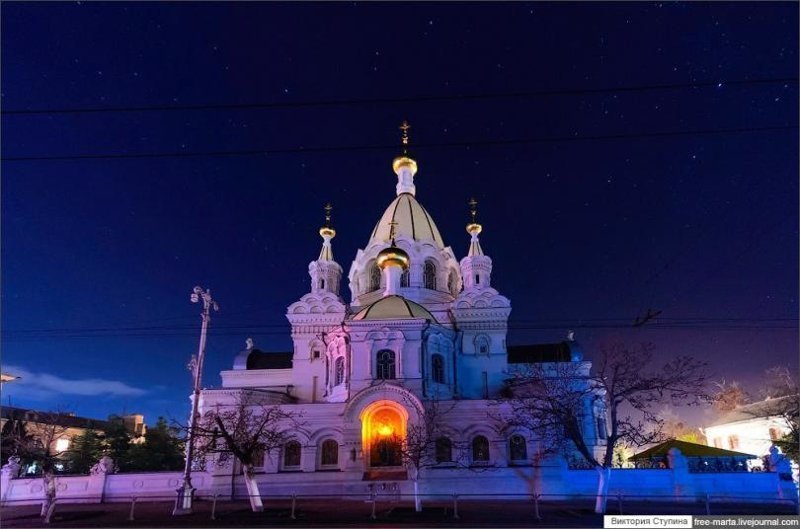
x,y
183,503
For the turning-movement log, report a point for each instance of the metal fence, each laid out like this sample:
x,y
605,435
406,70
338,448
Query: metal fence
x,y
348,509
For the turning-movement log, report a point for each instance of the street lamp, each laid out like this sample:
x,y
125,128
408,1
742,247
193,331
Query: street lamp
x,y
183,503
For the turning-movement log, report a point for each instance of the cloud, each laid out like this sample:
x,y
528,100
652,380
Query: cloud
x,y
44,385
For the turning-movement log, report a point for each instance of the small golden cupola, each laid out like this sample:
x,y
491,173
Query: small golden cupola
x,y
474,229
476,267
412,220
405,167
326,274
393,261
327,233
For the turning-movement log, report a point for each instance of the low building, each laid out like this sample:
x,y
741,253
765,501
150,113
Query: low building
x,y
60,428
753,428
700,458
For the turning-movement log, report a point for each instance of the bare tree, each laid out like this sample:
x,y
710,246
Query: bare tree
x,y
779,382
552,401
37,442
247,431
674,427
727,396
418,450
782,391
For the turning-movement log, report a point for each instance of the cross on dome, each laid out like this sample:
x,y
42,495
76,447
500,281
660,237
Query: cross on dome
x,y
473,209
404,166
327,233
473,228
404,127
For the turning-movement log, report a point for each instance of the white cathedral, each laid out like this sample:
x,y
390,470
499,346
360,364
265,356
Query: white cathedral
x,y
420,326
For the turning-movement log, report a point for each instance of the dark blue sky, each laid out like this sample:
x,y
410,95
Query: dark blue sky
x,y
99,255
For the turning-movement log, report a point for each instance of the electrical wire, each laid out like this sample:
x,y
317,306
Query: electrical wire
x,y
398,100
351,148
522,325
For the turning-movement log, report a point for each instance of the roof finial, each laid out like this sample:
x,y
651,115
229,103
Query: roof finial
x,y
474,229
327,233
392,226
328,208
404,165
473,209
404,126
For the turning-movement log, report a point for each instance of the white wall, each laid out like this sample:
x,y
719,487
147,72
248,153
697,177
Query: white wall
x,y
553,481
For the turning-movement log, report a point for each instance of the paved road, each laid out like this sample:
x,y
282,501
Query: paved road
x,y
329,513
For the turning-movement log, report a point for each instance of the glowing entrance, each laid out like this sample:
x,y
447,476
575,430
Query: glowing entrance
x,y
383,429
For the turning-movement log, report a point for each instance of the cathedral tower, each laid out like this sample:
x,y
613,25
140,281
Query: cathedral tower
x,y
326,274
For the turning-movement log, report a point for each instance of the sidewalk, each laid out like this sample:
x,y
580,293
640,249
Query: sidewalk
x,y
330,513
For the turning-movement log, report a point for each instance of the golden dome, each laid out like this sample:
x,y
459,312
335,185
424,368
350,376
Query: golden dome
x,y
404,161
411,221
392,256
474,228
327,232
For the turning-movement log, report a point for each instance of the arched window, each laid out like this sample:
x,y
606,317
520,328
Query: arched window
x,y
480,449
444,450
437,368
339,378
517,448
602,433
330,453
385,365
374,277
429,275
482,345
404,278
291,455
316,349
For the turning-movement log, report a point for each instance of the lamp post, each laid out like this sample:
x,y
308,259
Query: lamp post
x,y
183,503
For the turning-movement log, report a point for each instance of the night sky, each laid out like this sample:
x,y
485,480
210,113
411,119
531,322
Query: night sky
x,y
625,156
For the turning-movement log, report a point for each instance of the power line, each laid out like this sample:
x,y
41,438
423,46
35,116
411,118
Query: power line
x,y
266,330
350,148
672,320
396,100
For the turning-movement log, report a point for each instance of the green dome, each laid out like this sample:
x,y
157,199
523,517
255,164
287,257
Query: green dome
x,y
394,308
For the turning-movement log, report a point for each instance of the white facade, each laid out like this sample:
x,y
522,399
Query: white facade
x,y
752,428
420,325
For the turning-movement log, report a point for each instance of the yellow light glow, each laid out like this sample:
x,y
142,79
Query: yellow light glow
x,y
383,420
385,431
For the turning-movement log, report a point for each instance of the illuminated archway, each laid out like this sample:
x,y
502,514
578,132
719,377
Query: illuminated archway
x,y
383,429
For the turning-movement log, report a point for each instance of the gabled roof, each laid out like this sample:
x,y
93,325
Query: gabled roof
x,y
773,407
689,450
